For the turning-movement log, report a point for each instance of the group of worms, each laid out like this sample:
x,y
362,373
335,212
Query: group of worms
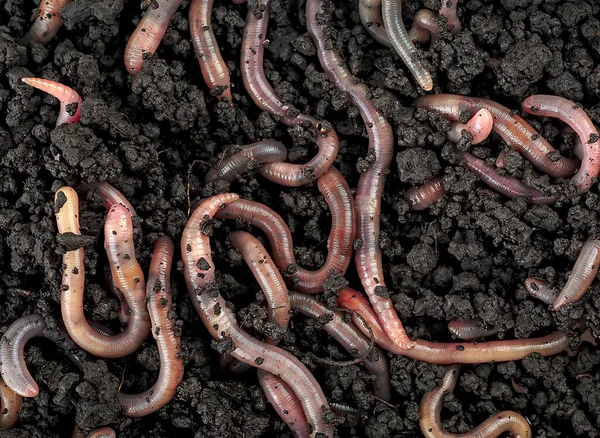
x,y
296,396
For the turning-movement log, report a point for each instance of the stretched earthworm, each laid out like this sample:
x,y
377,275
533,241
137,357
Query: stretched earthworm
x,y
450,352
479,126
574,115
338,196
425,195
231,167
430,410
46,25
70,101
199,273
148,34
470,329
10,406
103,432
541,290
126,273
370,17
583,274
371,183
349,338
214,70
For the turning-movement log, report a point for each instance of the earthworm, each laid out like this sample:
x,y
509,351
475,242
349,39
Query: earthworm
x,y
349,338
574,115
541,290
424,26
370,17
126,273
500,160
448,10
214,70
425,195
450,352
479,126
199,273
470,329
70,101
148,34
338,196
371,183
430,410
231,167
158,294
103,432
46,26
10,406
583,274
110,195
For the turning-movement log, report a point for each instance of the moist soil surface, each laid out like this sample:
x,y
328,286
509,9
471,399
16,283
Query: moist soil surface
x,y
154,136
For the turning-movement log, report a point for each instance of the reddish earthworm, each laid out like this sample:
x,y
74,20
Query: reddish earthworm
x,y
110,195
231,167
103,432
574,115
425,195
479,126
370,17
213,67
199,272
500,162
10,406
430,410
448,10
583,274
349,338
148,34
70,101
46,26
371,183
470,329
450,352
126,273
541,290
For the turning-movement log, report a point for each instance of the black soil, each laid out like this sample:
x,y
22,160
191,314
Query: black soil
x,y
153,136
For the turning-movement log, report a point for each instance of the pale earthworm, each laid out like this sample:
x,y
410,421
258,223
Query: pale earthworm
x,y
148,34
213,67
371,183
70,101
337,194
426,194
235,165
451,352
46,25
350,338
103,432
583,274
430,410
574,115
369,12
471,329
10,406
126,273
424,26
479,126
541,290
199,273
164,331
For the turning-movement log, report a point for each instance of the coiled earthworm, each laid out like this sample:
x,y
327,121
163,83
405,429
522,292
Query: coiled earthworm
x,y
214,70
541,290
158,294
479,126
349,338
583,274
231,167
450,352
430,410
46,26
574,115
199,273
148,34
370,17
126,273
424,27
70,101
470,329
371,183
10,406
103,432
425,195
334,188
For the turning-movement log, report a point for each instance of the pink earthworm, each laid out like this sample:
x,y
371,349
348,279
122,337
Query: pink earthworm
x,y
583,274
349,337
199,273
103,432
471,329
70,101
231,167
46,25
371,183
110,195
338,196
500,162
370,17
541,290
425,195
10,406
148,34
158,295
213,67
448,10
450,352
430,410
479,126
574,115
424,26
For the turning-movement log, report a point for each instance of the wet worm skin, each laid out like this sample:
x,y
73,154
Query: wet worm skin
x,y
430,410
479,126
541,290
10,406
231,167
199,273
46,26
104,432
448,10
158,294
471,329
574,115
147,36
214,70
371,183
583,274
425,195
450,352
70,101
370,17
110,195
424,26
